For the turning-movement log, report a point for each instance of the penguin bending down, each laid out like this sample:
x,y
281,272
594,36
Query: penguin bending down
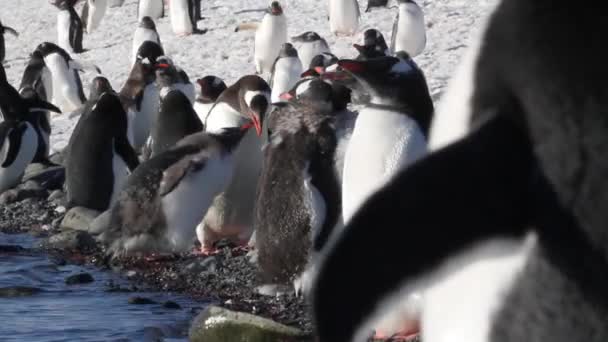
x,y
286,71
169,76
99,154
146,31
310,45
168,195
209,89
154,9
409,30
373,46
344,17
511,210
245,103
270,36
69,27
3,30
92,13
18,144
181,14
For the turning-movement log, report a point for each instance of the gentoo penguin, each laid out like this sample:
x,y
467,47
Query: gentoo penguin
x,y
344,17
67,90
18,143
69,27
269,38
375,3
209,89
310,45
40,119
409,30
99,155
99,85
320,62
168,195
92,13
35,75
245,103
146,31
181,14
373,46
140,95
522,206
176,119
3,30
286,71
154,9
169,76
298,194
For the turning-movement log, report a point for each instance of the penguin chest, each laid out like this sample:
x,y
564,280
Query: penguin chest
x,y
411,32
142,120
150,8
287,72
63,30
11,174
222,116
343,16
65,87
180,18
202,110
308,51
97,9
269,37
186,205
382,143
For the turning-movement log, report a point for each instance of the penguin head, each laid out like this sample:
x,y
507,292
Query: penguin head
x,y
307,37
148,23
319,64
254,98
47,48
99,86
373,46
63,4
149,50
209,88
287,50
275,8
166,72
319,94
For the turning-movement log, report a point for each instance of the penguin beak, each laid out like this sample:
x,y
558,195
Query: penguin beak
x,y
162,65
319,70
255,118
287,96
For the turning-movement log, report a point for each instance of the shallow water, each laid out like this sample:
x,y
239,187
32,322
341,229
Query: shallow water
x,y
86,312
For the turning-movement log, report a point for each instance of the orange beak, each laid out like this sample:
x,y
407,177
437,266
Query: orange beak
x,y
319,70
256,123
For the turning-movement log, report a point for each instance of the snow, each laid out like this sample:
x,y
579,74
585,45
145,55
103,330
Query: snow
x,y
221,51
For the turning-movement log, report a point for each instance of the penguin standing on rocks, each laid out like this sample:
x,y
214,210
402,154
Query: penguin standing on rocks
x,y
344,17
181,13
245,103
146,31
298,197
310,45
169,76
269,38
168,195
69,27
209,89
175,120
3,30
99,155
154,9
286,71
409,30
92,13
18,144
373,46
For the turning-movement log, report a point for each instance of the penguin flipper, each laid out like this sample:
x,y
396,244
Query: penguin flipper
x,y
394,33
13,135
11,31
41,105
176,172
126,152
84,15
484,195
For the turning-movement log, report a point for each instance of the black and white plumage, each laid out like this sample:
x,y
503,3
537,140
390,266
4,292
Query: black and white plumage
x,y
344,17
169,76
92,13
40,119
375,3
409,30
69,26
154,9
510,243
182,15
18,143
286,71
145,31
373,45
168,195
37,76
99,154
209,89
310,44
4,30
270,35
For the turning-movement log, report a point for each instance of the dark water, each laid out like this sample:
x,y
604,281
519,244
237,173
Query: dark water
x,y
84,312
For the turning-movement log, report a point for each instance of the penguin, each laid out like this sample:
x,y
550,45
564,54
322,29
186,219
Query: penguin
x,y
99,155
154,9
409,30
286,71
39,118
209,89
99,85
35,75
298,198
176,119
269,38
169,76
510,210
140,94
181,14
245,103
167,196
67,90
69,27
344,17
3,30
373,46
320,63
92,14
18,143
310,45
146,31
375,3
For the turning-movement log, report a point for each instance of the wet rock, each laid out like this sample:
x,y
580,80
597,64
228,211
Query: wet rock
x,y
79,218
217,324
201,266
141,301
50,178
60,209
57,158
11,249
70,239
56,195
171,305
17,195
30,185
153,334
100,223
80,278
18,291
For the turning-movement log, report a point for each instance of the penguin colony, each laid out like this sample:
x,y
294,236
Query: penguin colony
x,y
329,166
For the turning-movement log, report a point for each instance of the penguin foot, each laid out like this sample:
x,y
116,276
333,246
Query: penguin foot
x,y
407,334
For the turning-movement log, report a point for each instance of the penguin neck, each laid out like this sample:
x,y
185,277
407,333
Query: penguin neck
x,y
388,104
222,115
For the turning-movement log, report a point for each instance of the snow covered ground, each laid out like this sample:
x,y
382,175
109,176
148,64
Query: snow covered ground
x,y
221,51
